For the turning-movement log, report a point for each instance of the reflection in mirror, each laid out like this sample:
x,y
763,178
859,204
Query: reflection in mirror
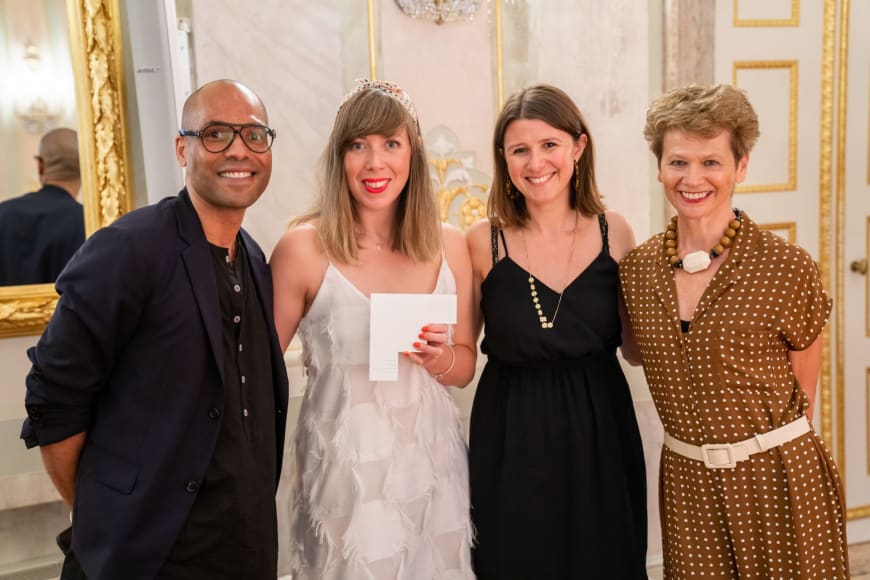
x,y
41,224
95,51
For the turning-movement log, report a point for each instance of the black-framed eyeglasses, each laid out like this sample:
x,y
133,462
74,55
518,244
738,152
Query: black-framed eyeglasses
x,y
218,137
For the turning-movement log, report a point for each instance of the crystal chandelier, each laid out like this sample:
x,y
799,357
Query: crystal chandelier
x,y
440,11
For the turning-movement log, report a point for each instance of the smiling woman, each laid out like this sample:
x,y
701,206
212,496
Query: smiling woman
x,y
95,50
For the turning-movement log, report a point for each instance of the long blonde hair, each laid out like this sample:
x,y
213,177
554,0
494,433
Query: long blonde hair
x,y
416,230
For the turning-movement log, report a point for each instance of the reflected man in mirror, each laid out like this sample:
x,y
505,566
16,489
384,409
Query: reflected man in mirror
x,y
158,392
41,230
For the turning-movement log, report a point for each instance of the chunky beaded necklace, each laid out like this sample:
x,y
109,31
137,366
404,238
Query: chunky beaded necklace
x,y
700,260
542,318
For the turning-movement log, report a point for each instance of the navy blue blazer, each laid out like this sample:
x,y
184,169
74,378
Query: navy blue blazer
x,y
133,356
39,232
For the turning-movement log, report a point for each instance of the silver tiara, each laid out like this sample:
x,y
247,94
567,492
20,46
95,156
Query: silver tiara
x,y
387,87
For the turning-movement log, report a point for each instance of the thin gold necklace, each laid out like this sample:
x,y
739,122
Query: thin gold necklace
x,y
542,318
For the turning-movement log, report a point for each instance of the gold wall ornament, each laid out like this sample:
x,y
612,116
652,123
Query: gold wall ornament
x,y
460,188
95,47
440,11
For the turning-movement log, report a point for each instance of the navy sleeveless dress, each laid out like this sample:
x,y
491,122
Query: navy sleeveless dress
x,y
558,486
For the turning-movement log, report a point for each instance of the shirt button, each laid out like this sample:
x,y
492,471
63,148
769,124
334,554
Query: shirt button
x,y
245,412
191,486
240,348
236,318
214,413
243,379
237,288
227,258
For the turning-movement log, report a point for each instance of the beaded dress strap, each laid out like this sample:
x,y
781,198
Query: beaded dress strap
x,y
494,233
602,224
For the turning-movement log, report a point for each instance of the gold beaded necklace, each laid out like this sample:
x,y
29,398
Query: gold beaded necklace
x,y
542,318
698,261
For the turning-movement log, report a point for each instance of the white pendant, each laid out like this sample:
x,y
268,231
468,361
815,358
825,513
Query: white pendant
x,y
696,262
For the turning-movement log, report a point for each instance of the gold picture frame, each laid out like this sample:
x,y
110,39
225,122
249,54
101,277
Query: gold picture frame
x,y
98,68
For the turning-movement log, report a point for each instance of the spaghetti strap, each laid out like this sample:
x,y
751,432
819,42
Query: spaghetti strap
x,y
602,224
494,235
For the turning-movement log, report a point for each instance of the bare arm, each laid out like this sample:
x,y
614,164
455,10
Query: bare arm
x,y
806,364
297,270
622,241
480,250
453,368
61,461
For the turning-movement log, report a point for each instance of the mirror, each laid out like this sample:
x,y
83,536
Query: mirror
x,y
95,47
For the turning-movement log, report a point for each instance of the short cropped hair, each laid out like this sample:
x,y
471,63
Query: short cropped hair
x,y
704,110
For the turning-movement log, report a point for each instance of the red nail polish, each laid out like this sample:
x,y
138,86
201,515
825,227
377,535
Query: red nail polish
x,y
417,345
420,335
425,329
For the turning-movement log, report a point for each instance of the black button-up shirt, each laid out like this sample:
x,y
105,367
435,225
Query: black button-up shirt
x,y
231,531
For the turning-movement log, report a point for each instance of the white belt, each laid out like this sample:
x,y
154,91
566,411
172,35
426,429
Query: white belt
x,y
727,455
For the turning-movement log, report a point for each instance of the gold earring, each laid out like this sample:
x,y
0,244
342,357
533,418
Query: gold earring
x,y
507,187
577,177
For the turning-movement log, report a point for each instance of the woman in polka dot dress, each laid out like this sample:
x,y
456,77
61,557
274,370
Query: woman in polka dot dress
x,y
728,318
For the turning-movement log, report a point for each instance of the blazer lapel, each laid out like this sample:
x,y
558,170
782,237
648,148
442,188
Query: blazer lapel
x,y
198,263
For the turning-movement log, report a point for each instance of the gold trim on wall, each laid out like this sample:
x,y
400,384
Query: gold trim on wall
x,y
866,280
499,57
793,20
792,67
857,512
373,62
789,227
826,120
95,47
867,416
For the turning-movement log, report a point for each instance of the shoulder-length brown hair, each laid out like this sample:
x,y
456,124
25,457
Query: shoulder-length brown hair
x,y
554,107
416,228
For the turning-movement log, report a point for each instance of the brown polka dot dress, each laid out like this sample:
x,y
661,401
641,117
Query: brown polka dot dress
x,y
779,514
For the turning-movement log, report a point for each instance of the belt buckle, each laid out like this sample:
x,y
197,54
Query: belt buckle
x,y
705,450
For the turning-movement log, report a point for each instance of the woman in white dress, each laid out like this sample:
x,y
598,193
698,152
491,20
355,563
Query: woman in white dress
x,y
381,481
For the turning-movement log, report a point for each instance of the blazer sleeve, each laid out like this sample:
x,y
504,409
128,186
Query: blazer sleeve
x,y
103,291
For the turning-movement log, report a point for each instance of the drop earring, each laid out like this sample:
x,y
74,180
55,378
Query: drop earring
x,y
577,177
510,192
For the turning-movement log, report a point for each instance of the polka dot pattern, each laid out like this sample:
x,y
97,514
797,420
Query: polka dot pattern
x,y
780,514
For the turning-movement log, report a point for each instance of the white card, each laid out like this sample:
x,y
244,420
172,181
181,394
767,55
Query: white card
x,y
395,323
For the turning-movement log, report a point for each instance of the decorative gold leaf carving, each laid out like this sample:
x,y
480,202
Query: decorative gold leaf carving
x,y
24,312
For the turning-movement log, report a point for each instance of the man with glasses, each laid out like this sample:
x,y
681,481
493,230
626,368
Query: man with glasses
x,y
158,392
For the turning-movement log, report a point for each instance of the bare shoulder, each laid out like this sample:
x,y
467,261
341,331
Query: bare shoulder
x,y
455,249
479,238
451,235
300,246
479,233
620,234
